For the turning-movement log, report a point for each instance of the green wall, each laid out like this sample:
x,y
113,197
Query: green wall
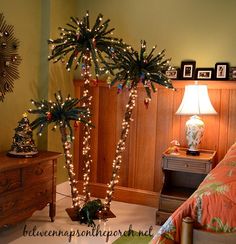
x,y
34,22
59,78
26,19
202,30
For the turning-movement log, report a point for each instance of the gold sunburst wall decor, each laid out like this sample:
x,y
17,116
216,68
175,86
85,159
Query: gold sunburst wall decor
x,y
9,58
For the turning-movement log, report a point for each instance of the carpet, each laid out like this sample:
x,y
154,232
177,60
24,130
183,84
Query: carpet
x,y
134,238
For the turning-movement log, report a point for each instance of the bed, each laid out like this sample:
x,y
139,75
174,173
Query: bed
x,y
211,209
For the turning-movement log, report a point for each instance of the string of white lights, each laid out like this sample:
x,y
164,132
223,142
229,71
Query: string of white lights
x,y
86,156
120,148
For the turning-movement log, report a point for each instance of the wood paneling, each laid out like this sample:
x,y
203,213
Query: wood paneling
x,y
150,134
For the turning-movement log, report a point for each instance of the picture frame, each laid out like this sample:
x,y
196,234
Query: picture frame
x,y
188,70
222,71
172,73
232,73
204,73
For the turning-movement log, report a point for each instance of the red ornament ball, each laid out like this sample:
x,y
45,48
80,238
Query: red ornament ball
x,y
49,115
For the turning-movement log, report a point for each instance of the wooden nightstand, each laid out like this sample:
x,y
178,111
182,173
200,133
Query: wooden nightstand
x,y
182,175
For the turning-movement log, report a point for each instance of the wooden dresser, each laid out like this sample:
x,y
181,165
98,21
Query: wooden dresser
x,y
27,185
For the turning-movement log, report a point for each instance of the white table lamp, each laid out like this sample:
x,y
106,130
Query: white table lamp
x,y
195,102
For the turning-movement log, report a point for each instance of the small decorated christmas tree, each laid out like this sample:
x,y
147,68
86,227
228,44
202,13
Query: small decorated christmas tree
x,y
23,144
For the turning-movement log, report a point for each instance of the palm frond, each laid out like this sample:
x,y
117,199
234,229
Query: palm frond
x,y
140,67
79,40
59,112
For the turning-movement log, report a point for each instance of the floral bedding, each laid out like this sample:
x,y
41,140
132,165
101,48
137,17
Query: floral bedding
x,y
212,205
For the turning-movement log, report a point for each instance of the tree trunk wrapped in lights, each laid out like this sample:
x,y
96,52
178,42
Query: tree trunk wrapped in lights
x,y
121,146
67,144
60,113
86,156
87,46
134,68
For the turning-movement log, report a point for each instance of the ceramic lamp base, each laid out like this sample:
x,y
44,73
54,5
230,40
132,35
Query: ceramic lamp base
x,y
192,153
194,132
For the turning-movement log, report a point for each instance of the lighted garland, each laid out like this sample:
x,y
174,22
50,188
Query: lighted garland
x,y
9,59
79,40
60,113
85,47
134,68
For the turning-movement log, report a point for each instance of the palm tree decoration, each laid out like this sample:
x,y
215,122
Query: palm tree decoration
x,y
86,46
134,68
61,113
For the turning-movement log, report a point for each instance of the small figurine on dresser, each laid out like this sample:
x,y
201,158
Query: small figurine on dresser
x,y
23,144
174,148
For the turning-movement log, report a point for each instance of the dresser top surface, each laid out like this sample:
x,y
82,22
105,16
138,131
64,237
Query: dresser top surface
x,y
8,163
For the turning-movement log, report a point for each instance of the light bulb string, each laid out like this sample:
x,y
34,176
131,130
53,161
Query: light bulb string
x,y
86,129
120,147
67,144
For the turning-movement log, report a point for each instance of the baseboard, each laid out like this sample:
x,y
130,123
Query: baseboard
x,y
63,190
124,194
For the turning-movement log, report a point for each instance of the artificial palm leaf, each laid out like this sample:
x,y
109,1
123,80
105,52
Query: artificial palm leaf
x,y
60,113
83,41
133,68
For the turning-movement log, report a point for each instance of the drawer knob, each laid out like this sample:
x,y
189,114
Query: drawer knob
x,y
4,183
38,171
186,165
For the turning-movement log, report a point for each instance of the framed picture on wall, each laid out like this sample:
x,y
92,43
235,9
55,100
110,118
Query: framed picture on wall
x,y
222,71
204,73
172,73
232,73
188,70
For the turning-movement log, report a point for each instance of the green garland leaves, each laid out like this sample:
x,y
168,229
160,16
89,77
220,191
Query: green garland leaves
x,y
82,41
134,68
60,113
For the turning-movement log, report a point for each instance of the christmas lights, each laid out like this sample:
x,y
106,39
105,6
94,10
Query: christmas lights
x,y
86,46
120,147
87,159
82,42
134,68
23,143
61,113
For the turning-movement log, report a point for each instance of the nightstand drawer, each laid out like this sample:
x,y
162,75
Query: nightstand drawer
x,y
186,166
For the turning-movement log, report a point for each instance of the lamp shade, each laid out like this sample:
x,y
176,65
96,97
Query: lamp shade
x,y
196,101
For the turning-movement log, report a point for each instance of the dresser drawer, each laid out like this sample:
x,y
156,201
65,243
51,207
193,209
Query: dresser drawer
x,y
10,180
37,196
24,201
37,173
186,166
